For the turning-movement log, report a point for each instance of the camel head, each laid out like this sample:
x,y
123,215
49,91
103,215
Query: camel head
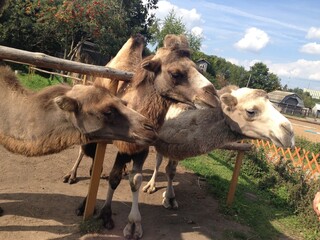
x,y
249,112
177,76
101,116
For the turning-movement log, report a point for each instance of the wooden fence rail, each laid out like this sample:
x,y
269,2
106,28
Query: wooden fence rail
x,y
301,159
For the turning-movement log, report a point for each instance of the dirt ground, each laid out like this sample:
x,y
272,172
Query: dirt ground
x,y
38,205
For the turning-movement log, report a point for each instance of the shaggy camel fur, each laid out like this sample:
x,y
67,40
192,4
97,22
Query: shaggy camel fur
x,y
245,113
51,120
127,59
167,77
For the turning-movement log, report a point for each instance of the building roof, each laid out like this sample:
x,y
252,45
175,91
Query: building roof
x,y
203,60
285,98
278,96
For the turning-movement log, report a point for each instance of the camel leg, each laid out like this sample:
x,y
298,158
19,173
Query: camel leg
x,y
169,198
71,177
133,229
114,180
151,185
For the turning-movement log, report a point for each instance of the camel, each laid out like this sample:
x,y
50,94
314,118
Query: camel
x,y
244,113
57,117
127,59
167,77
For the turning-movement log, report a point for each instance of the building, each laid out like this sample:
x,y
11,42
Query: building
x,y
203,64
288,102
316,110
313,93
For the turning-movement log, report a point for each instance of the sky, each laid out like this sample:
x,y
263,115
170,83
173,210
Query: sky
x,y
283,34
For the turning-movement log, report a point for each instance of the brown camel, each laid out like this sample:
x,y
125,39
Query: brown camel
x,y
51,120
244,113
167,77
127,59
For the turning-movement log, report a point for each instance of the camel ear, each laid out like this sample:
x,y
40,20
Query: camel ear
x,y
229,100
67,104
152,65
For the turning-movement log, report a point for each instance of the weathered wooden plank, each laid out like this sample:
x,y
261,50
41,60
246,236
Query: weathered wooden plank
x,y
46,61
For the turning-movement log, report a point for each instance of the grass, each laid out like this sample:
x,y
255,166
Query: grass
x,y
266,212
37,82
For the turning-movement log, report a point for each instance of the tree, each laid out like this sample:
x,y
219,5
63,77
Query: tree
x,y
261,78
61,25
173,25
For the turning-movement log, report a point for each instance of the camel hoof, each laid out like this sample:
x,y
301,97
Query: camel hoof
x,y
109,224
66,178
69,179
133,231
149,189
170,203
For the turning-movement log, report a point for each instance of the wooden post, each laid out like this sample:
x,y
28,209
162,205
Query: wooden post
x,y
95,180
84,79
234,180
96,171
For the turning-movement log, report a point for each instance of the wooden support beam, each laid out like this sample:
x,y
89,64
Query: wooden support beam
x,y
94,181
46,61
235,176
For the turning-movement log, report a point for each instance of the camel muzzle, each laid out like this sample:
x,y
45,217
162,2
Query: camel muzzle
x,y
207,97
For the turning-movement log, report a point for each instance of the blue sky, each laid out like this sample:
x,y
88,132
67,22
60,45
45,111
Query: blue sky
x,y
284,34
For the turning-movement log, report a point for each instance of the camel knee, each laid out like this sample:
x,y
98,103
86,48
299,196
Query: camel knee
x,y
115,179
171,169
135,180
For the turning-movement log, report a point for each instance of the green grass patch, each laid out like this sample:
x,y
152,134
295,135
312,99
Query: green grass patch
x,y
37,82
269,200
91,226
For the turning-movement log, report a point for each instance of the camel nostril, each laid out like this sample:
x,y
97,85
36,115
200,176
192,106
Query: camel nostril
x,y
287,127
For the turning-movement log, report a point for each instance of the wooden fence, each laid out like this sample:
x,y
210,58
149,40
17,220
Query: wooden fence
x,y
301,159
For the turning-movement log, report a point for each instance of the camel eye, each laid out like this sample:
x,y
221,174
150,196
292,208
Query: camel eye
x,y
176,75
251,113
108,114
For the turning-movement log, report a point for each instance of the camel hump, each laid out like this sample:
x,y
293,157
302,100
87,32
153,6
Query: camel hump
x,y
175,41
137,40
10,80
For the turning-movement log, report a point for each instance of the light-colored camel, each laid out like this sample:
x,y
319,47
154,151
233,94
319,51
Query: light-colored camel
x,y
245,113
127,59
53,119
167,77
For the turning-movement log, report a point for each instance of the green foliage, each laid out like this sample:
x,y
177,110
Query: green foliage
x,y
261,78
269,198
173,25
52,26
303,143
91,226
37,82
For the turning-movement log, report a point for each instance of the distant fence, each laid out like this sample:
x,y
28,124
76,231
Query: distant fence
x,y
301,159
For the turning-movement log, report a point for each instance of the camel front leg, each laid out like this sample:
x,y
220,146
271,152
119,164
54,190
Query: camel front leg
x,y
71,177
151,185
114,181
169,197
133,229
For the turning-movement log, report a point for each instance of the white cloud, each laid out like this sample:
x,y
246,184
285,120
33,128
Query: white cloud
x,y
254,40
311,48
197,31
313,33
299,69
191,18
302,69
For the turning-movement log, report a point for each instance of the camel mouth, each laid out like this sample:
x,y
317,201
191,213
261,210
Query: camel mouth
x,y
286,142
144,140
